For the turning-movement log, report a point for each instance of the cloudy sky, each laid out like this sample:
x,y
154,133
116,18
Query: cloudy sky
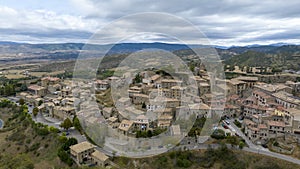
x,y
224,22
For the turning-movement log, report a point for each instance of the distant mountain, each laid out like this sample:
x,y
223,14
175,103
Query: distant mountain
x,y
278,55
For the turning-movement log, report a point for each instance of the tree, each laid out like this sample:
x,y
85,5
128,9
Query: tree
x,y
76,124
241,145
53,129
233,140
144,105
218,134
21,101
68,143
138,78
40,102
192,67
35,111
23,87
149,133
66,124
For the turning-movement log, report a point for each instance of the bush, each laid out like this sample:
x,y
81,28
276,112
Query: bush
x,y
218,134
276,144
183,163
64,149
162,162
237,123
64,157
68,143
241,145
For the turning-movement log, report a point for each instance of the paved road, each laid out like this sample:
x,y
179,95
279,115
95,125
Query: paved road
x,y
272,154
241,134
252,147
260,150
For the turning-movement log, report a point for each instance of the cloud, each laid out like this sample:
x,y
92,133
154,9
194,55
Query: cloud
x,y
224,22
42,24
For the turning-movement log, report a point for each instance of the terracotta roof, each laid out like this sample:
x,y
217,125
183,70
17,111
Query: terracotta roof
x,y
155,77
102,82
36,87
99,155
135,88
262,94
112,119
276,123
171,81
248,122
125,125
163,110
140,95
287,97
235,96
177,87
253,128
83,146
252,106
51,78
236,82
262,126
165,117
247,78
230,106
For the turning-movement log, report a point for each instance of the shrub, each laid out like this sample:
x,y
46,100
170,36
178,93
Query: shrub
x,y
276,144
64,157
237,123
183,163
218,134
34,147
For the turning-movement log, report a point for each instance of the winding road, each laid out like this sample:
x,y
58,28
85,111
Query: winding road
x,y
252,147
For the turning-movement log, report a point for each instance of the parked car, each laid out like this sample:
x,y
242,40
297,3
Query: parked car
x,y
227,122
225,126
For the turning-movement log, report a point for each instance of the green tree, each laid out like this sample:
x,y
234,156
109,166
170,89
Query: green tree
x,y
233,140
218,134
23,87
138,78
68,143
35,111
21,101
241,145
149,133
192,67
53,129
40,102
66,124
76,124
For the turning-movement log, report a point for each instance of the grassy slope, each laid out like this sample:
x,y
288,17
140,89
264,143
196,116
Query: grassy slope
x,y
21,144
214,159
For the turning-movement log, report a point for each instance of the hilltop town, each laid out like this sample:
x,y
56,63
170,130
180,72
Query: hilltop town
x,y
261,114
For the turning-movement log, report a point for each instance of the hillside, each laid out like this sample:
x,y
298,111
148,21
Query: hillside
x,y
279,58
25,144
221,158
